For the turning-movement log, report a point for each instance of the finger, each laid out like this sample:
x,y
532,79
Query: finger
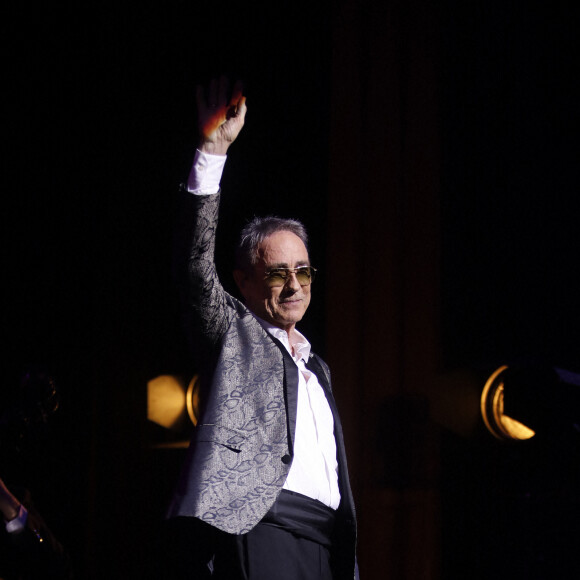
x,y
223,86
213,93
242,108
235,100
237,110
237,93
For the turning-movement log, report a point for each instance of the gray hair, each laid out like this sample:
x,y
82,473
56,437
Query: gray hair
x,y
257,230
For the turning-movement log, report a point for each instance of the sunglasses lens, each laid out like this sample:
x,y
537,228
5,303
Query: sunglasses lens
x,y
279,277
276,279
304,276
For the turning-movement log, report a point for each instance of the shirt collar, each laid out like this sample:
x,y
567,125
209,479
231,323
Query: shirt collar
x,y
302,346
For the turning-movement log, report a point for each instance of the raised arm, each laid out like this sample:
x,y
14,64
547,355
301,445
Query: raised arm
x,y
220,120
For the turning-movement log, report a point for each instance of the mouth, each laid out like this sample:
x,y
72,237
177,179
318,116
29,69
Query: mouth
x,y
291,301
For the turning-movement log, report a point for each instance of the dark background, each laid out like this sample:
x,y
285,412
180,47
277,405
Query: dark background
x,y
99,129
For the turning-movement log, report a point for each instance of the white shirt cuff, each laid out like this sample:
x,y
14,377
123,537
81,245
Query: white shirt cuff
x,y
19,522
206,173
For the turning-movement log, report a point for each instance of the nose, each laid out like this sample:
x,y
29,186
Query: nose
x,y
292,282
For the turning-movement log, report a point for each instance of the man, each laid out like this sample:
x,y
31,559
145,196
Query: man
x,y
264,493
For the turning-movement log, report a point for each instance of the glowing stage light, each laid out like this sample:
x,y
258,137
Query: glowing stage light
x,y
497,422
170,402
166,401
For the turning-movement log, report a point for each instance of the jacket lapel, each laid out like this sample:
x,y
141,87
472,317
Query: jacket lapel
x,y
290,391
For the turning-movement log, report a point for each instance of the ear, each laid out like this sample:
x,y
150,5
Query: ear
x,y
241,279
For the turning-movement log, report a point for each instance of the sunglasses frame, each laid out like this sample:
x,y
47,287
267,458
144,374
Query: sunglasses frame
x,y
308,271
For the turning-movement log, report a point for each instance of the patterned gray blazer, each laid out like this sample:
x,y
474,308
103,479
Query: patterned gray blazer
x,y
241,450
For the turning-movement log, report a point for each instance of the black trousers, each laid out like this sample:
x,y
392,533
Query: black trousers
x,y
291,543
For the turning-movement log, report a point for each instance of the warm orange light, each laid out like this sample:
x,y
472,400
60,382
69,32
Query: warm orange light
x,y
166,401
171,403
492,410
192,399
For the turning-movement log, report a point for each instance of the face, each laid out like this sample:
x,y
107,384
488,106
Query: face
x,y
285,305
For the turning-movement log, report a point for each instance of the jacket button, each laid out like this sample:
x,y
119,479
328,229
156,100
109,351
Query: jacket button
x,y
286,459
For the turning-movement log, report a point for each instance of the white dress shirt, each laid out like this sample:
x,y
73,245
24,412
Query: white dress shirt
x,y
314,469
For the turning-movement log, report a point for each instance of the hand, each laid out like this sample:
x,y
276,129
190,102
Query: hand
x,y
220,121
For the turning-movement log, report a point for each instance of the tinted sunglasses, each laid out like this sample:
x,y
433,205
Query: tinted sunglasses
x,y
279,276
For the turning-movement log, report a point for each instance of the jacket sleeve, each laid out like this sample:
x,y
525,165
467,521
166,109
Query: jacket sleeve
x,y
208,308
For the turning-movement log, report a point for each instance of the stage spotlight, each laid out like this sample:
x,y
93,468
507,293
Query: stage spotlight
x,y
497,422
521,400
171,402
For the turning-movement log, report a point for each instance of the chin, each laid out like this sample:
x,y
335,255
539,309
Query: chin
x,y
292,320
